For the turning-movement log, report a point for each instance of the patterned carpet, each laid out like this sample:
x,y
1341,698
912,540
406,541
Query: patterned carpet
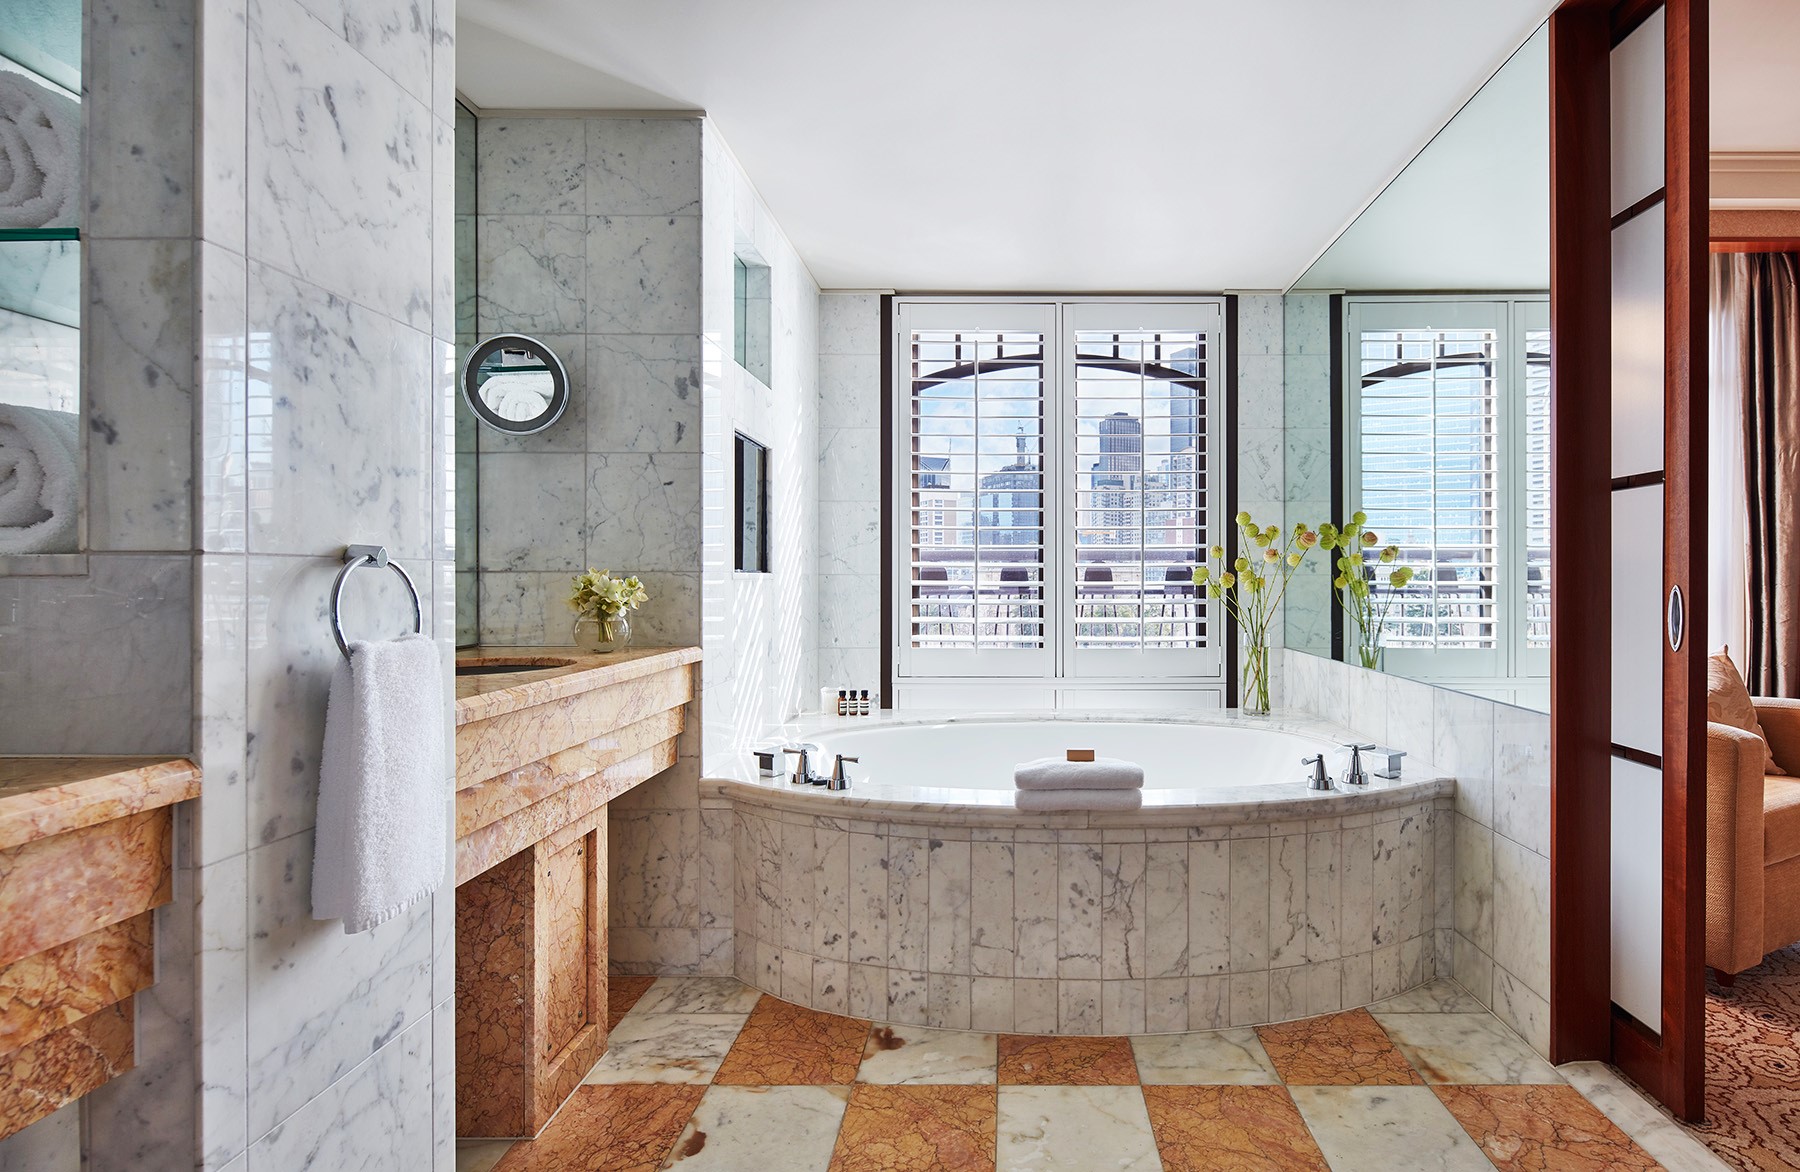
x,y
1753,1066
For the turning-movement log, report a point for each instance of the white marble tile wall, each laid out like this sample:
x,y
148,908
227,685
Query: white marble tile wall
x,y
318,413
850,490
1493,894
1306,443
39,363
1088,931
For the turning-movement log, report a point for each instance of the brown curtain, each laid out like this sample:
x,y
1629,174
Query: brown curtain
x,y
1767,290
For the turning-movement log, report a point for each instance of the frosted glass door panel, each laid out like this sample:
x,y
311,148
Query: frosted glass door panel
x,y
1637,345
1637,114
1637,890
1637,631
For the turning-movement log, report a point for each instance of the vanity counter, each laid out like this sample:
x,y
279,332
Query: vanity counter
x,y
86,845
481,697
42,796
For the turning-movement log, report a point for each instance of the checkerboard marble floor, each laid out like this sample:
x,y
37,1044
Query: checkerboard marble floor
x,y
707,1073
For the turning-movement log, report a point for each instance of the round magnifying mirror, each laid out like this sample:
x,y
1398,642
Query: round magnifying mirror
x,y
515,384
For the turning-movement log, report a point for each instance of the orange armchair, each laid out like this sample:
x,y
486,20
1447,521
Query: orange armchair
x,y
1752,840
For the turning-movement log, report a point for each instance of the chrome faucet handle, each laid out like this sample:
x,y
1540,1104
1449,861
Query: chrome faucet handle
x,y
1320,780
839,779
803,768
1356,774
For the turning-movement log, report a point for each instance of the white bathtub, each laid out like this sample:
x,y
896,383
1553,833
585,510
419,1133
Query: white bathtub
x,y
979,755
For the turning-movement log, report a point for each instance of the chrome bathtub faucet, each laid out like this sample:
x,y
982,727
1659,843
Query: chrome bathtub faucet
x,y
839,779
1320,780
1356,775
803,768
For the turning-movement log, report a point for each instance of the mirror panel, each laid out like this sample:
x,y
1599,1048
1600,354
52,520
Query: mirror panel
x,y
42,481
515,384
1417,395
468,481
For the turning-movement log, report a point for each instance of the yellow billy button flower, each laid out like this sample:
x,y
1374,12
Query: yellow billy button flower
x,y
1218,551
1201,574
1228,579
1308,539
1360,517
1243,518
1271,555
1390,553
1369,537
1241,565
1293,560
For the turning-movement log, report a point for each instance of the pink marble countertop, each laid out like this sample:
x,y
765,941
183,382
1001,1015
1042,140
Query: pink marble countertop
x,y
42,796
484,696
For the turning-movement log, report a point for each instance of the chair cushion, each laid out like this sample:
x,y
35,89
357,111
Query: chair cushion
x,y
1781,819
1728,702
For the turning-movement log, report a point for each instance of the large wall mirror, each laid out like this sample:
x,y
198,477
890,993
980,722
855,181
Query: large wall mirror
x,y
42,486
1417,397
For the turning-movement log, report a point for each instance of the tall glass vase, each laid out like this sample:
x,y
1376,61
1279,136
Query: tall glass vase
x,y
1253,689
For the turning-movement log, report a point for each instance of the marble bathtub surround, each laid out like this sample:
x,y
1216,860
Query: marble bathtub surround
x,y
971,1113
540,755
86,853
1207,908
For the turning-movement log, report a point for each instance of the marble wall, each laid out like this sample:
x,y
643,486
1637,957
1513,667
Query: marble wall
x,y
1306,441
849,478
260,392
1498,946
612,239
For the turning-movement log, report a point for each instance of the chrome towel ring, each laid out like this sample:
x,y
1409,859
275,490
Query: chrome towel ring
x,y
368,555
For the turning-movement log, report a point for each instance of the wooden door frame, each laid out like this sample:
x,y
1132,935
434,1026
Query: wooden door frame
x,y
1584,1022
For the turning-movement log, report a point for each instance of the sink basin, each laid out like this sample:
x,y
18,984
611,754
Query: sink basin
x,y
494,667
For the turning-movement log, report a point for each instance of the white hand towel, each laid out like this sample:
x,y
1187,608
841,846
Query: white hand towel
x,y
40,479
1044,801
1049,773
40,155
383,802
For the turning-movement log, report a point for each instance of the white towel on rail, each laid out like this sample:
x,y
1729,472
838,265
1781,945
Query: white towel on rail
x,y
382,839
1045,801
1056,773
40,479
40,155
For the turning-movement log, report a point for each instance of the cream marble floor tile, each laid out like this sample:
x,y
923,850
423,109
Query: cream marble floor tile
x,y
698,995
1439,996
667,1047
1077,1129
914,1054
736,1128
480,1155
1465,1048
1670,1144
1216,1058
1379,1129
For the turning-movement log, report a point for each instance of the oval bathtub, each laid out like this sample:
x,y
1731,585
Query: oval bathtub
x,y
1235,896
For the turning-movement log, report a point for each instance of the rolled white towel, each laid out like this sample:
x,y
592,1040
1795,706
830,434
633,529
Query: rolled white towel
x,y
1051,773
40,479
1046,801
40,155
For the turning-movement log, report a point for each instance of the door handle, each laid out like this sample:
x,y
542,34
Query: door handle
x,y
1677,618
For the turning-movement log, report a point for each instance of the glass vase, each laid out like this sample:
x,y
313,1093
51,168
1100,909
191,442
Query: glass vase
x,y
1253,691
1370,657
596,635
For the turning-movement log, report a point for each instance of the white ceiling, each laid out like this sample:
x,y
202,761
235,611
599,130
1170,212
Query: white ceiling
x,y
1755,75
1026,144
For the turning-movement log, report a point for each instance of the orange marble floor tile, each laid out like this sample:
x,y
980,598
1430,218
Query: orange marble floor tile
x,y
785,1045
1336,1050
1028,1060
1230,1129
918,1129
627,1127
1542,1129
621,994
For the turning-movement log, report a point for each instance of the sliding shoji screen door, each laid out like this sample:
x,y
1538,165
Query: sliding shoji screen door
x,y
1628,646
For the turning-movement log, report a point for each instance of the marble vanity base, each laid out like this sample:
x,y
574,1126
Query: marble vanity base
x,y
1090,929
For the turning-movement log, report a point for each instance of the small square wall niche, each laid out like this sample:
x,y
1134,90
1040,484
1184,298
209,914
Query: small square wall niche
x,y
752,499
751,304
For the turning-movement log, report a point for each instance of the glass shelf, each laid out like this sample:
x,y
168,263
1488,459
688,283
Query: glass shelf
x,y
11,234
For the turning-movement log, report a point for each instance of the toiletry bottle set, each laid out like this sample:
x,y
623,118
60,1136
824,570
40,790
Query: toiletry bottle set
x,y
851,702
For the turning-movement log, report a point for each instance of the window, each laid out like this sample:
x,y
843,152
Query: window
x,y
752,493
750,300
1449,457
1055,475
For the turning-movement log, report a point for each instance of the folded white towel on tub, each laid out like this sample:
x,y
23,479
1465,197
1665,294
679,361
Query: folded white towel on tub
x,y
1045,801
40,479
381,845
40,155
1056,773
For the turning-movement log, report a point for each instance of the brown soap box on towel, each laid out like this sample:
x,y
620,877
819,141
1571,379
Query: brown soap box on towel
x,y
1081,755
